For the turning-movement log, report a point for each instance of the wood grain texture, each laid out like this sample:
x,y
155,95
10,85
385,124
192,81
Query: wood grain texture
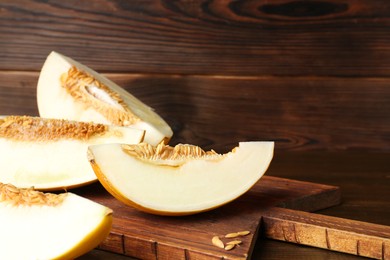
x,y
282,37
311,75
363,178
190,237
218,112
343,235
146,236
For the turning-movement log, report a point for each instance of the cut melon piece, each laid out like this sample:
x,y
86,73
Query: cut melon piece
x,y
70,90
36,225
178,180
50,154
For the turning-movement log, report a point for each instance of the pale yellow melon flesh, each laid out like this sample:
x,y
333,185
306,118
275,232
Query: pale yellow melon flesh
x,y
37,225
70,90
51,154
176,185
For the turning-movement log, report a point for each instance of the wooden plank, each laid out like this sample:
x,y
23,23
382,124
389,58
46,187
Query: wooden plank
x,y
342,235
363,178
283,37
18,93
217,112
147,236
113,243
190,236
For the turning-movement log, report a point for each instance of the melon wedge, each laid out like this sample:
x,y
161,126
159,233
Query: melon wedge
x,y
178,180
36,225
51,154
70,90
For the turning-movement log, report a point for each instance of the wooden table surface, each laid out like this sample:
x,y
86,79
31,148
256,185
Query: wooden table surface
x,y
313,76
364,179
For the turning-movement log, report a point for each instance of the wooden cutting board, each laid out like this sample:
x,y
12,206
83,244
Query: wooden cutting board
x,y
274,206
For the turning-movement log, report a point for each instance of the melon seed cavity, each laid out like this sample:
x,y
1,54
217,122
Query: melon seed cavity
x,y
92,93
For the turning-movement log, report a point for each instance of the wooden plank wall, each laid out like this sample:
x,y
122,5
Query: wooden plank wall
x,y
311,75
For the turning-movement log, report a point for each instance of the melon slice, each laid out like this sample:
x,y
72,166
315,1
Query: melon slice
x,y
70,90
36,225
178,180
50,154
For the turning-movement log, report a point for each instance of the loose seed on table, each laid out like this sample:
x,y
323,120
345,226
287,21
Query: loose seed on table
x,y
217,242
243,233
229,247
234,242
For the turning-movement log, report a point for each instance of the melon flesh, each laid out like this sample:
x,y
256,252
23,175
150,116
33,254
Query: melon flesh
x,y
29,159
64,231
191,186
106,105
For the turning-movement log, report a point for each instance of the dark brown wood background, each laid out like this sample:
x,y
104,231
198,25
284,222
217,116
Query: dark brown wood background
x,y
307,74
314,76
